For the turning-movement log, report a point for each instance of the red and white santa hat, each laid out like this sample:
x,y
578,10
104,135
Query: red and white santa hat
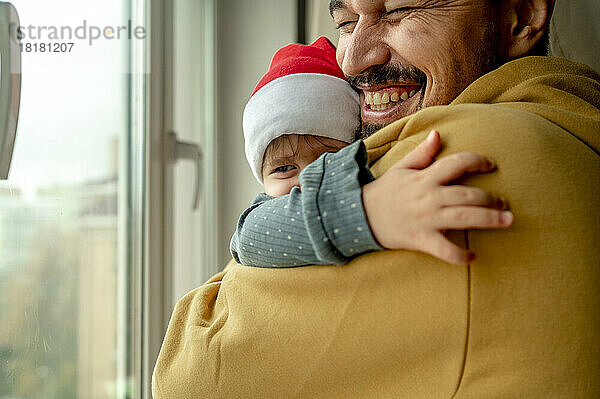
x,y
303,92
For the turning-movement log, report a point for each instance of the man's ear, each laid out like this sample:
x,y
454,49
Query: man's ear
x,y
526,21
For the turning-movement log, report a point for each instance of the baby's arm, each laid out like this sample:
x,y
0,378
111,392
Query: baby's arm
x,y
410,206
324,223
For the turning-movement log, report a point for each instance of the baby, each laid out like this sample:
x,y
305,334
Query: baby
x,y
298,126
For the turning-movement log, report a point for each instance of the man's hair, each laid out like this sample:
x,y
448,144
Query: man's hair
x,y
542,47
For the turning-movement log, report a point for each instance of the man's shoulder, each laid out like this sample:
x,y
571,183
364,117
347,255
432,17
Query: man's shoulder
x,y
488,129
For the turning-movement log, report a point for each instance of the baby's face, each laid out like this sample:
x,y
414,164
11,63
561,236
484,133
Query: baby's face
x,y
288,155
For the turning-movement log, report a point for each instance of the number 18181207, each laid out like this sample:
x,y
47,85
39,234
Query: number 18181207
x,y
46,47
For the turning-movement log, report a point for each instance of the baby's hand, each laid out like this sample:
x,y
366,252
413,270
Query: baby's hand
x,y
410,206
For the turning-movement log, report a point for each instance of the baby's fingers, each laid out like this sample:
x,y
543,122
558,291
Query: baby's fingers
x,y
454,166
423,154
473,217
440,247
469,196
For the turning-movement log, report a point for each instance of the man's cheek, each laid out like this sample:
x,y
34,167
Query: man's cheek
x,y
340,53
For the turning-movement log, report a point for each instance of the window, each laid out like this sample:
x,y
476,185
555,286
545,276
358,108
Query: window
x,y
97,235
71,211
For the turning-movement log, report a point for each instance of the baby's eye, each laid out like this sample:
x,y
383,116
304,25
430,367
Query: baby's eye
x,y
283,169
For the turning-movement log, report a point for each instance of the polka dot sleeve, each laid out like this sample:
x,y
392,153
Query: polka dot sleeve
x,y
335,193
323,224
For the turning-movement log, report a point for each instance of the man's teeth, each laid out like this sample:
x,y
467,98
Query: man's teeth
x,y
381,101
377,99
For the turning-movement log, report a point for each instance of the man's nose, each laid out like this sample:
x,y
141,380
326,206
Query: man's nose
x,y
364,50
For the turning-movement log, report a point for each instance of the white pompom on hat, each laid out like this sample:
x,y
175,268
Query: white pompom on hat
x,y
303,92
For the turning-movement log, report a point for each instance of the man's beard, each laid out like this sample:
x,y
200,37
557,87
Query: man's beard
x,y
486,56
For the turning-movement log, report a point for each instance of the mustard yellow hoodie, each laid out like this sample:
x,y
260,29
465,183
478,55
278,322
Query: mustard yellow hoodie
x,y
522,321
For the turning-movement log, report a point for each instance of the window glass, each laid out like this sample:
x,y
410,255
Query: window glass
x,y
65,297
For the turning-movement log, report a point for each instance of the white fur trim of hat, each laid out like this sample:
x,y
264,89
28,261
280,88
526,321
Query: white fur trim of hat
x,y
302,103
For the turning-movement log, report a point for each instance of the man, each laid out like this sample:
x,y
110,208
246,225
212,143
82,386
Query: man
x,y
435,47
521,321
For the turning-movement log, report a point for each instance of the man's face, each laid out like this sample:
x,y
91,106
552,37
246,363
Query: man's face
x,y
404,55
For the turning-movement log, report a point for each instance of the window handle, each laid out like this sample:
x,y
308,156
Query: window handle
x,y
181,150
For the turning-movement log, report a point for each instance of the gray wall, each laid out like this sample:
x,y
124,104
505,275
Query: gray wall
x,y
248,34
575,31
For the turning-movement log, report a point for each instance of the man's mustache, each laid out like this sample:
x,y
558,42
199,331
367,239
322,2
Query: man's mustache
x,y
388,73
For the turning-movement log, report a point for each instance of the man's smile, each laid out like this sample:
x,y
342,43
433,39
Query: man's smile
x,y
378,104
388,92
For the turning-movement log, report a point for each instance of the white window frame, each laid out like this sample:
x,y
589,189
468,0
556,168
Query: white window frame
x,y
157,253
